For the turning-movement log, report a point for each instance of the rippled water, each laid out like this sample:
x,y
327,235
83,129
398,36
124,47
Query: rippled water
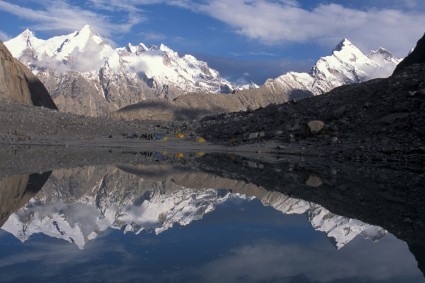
x,y
175,220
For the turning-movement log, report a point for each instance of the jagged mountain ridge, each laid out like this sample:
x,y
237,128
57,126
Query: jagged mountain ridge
x,y
85,75
346,65
126,202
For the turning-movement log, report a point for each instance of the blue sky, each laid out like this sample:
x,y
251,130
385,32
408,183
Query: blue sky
x,y
249,39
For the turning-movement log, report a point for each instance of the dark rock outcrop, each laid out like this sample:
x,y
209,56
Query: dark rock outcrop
x,y
19,84
417,56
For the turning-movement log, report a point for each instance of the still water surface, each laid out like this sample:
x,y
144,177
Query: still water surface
x,y
150,223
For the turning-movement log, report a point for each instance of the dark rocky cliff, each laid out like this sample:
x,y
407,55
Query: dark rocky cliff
x,y
417,56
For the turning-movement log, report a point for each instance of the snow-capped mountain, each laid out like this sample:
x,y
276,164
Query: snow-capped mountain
x,y
242,85
77,205
346,65
85,75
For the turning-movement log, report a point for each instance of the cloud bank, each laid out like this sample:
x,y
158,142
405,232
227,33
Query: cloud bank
x,y
62,16
369,24
4,36
277,22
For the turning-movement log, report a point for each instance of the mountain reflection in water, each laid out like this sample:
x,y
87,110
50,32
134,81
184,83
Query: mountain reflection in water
x,y
201,220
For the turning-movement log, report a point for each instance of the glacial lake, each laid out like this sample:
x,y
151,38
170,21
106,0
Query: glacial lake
x,y
210,218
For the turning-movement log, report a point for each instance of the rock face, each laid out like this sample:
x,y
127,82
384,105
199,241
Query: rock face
x,y
417,56
18,84
85,75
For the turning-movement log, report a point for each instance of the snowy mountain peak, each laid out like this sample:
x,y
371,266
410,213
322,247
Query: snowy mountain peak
x,y
121,76
381,53
80,40
165,48
347,52
343,44
382,50
136,49
85,30
130,48
26,34
87,33
25,40
347,64
242,84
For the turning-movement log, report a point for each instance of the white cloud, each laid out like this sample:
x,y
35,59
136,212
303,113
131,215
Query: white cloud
x,y
315,263
152,36
277,22
86,61
134,5
393,24
4,36
60,16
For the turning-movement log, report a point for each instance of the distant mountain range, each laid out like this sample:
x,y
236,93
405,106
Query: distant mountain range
x,y
118,200
346,65
85,75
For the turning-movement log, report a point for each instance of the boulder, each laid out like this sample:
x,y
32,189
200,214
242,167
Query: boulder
x,y
253,136
314,181
315,126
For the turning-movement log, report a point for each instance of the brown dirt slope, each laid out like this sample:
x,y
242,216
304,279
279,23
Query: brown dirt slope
x,y
197,105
